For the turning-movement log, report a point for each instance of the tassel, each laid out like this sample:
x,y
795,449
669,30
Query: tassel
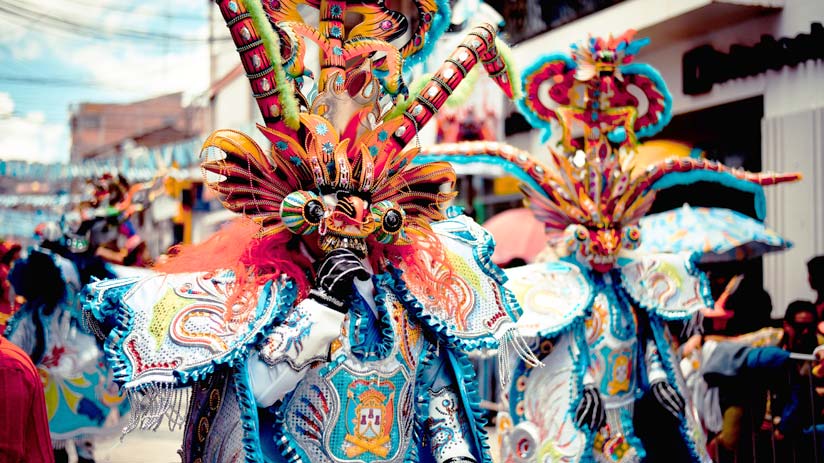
x,y
153,402
512,340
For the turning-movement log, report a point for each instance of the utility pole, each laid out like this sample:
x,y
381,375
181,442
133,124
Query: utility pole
x,y
212,64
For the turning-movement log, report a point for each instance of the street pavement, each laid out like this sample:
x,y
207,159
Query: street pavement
x,y
161,447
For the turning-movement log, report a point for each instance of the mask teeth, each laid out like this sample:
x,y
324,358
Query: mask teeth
x,y
332,242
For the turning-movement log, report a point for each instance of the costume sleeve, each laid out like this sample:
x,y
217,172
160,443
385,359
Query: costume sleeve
x,y
285,356
447,429
24,429
655,368
23,335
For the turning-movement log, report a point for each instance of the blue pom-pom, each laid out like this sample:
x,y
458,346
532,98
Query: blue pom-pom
x,y
619,135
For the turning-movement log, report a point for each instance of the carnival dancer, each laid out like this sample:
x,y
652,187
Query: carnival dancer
x,y
332,326
609,389
82,401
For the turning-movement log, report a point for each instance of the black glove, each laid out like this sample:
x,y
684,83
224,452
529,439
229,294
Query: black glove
x,y
669,398
591,410
335,276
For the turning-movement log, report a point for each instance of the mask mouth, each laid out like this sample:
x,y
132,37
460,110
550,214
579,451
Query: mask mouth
x,y
606,71
602,263
330,242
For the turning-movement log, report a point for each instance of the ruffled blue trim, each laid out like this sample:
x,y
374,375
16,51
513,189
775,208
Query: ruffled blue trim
x,y
108,308
468,389
510,168
483,256
285,445
440,23
534,120
618,302
674,314
665,116
426,362
723,178
392,279
576,387
664,349
704,281
373,337
290,453
248,414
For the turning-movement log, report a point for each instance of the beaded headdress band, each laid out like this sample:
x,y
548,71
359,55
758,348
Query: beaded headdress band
x,y
349,131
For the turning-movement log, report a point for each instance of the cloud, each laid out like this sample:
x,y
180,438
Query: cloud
x,y
30,137
131,70
6,105
118,70
19,43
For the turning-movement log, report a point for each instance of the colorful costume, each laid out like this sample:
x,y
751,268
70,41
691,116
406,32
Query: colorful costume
x,y
609,389
81,399
332,327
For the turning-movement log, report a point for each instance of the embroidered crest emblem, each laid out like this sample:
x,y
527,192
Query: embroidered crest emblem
x,y
372,423
375,418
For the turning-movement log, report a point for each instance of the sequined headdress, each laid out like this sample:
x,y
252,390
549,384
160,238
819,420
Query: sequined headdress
x,y
597,102
340,168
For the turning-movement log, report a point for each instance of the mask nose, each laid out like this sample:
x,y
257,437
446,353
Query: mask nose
x,y
352,209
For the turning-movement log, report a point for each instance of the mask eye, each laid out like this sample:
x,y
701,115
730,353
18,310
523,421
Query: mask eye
x,y
575,237
390,219
302,211
631,237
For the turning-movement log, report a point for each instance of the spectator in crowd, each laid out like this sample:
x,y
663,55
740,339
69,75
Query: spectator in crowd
x,y
737,376
815,275
24,427
800,322
796,406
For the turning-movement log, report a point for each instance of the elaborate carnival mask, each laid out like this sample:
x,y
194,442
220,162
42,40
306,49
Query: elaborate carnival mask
x,y
588,196
338,173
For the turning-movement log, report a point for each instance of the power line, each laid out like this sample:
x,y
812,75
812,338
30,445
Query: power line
x,y
58,82
122,9
86,29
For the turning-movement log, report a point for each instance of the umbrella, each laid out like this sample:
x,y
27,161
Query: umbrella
x,y
518,234
720,235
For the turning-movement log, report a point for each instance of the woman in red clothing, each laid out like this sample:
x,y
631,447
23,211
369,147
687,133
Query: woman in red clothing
x,y
24,428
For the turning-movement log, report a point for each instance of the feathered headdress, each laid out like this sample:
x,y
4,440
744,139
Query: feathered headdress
x,y
617,102
338,168
603,102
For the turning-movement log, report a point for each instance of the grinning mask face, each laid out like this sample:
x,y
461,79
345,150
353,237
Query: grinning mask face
x,y
598,248
343,219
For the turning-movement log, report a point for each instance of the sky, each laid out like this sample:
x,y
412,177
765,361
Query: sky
x,y
75,51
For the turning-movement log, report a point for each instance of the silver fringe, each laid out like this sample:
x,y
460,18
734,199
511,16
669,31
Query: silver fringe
x,y
510,342
153,402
